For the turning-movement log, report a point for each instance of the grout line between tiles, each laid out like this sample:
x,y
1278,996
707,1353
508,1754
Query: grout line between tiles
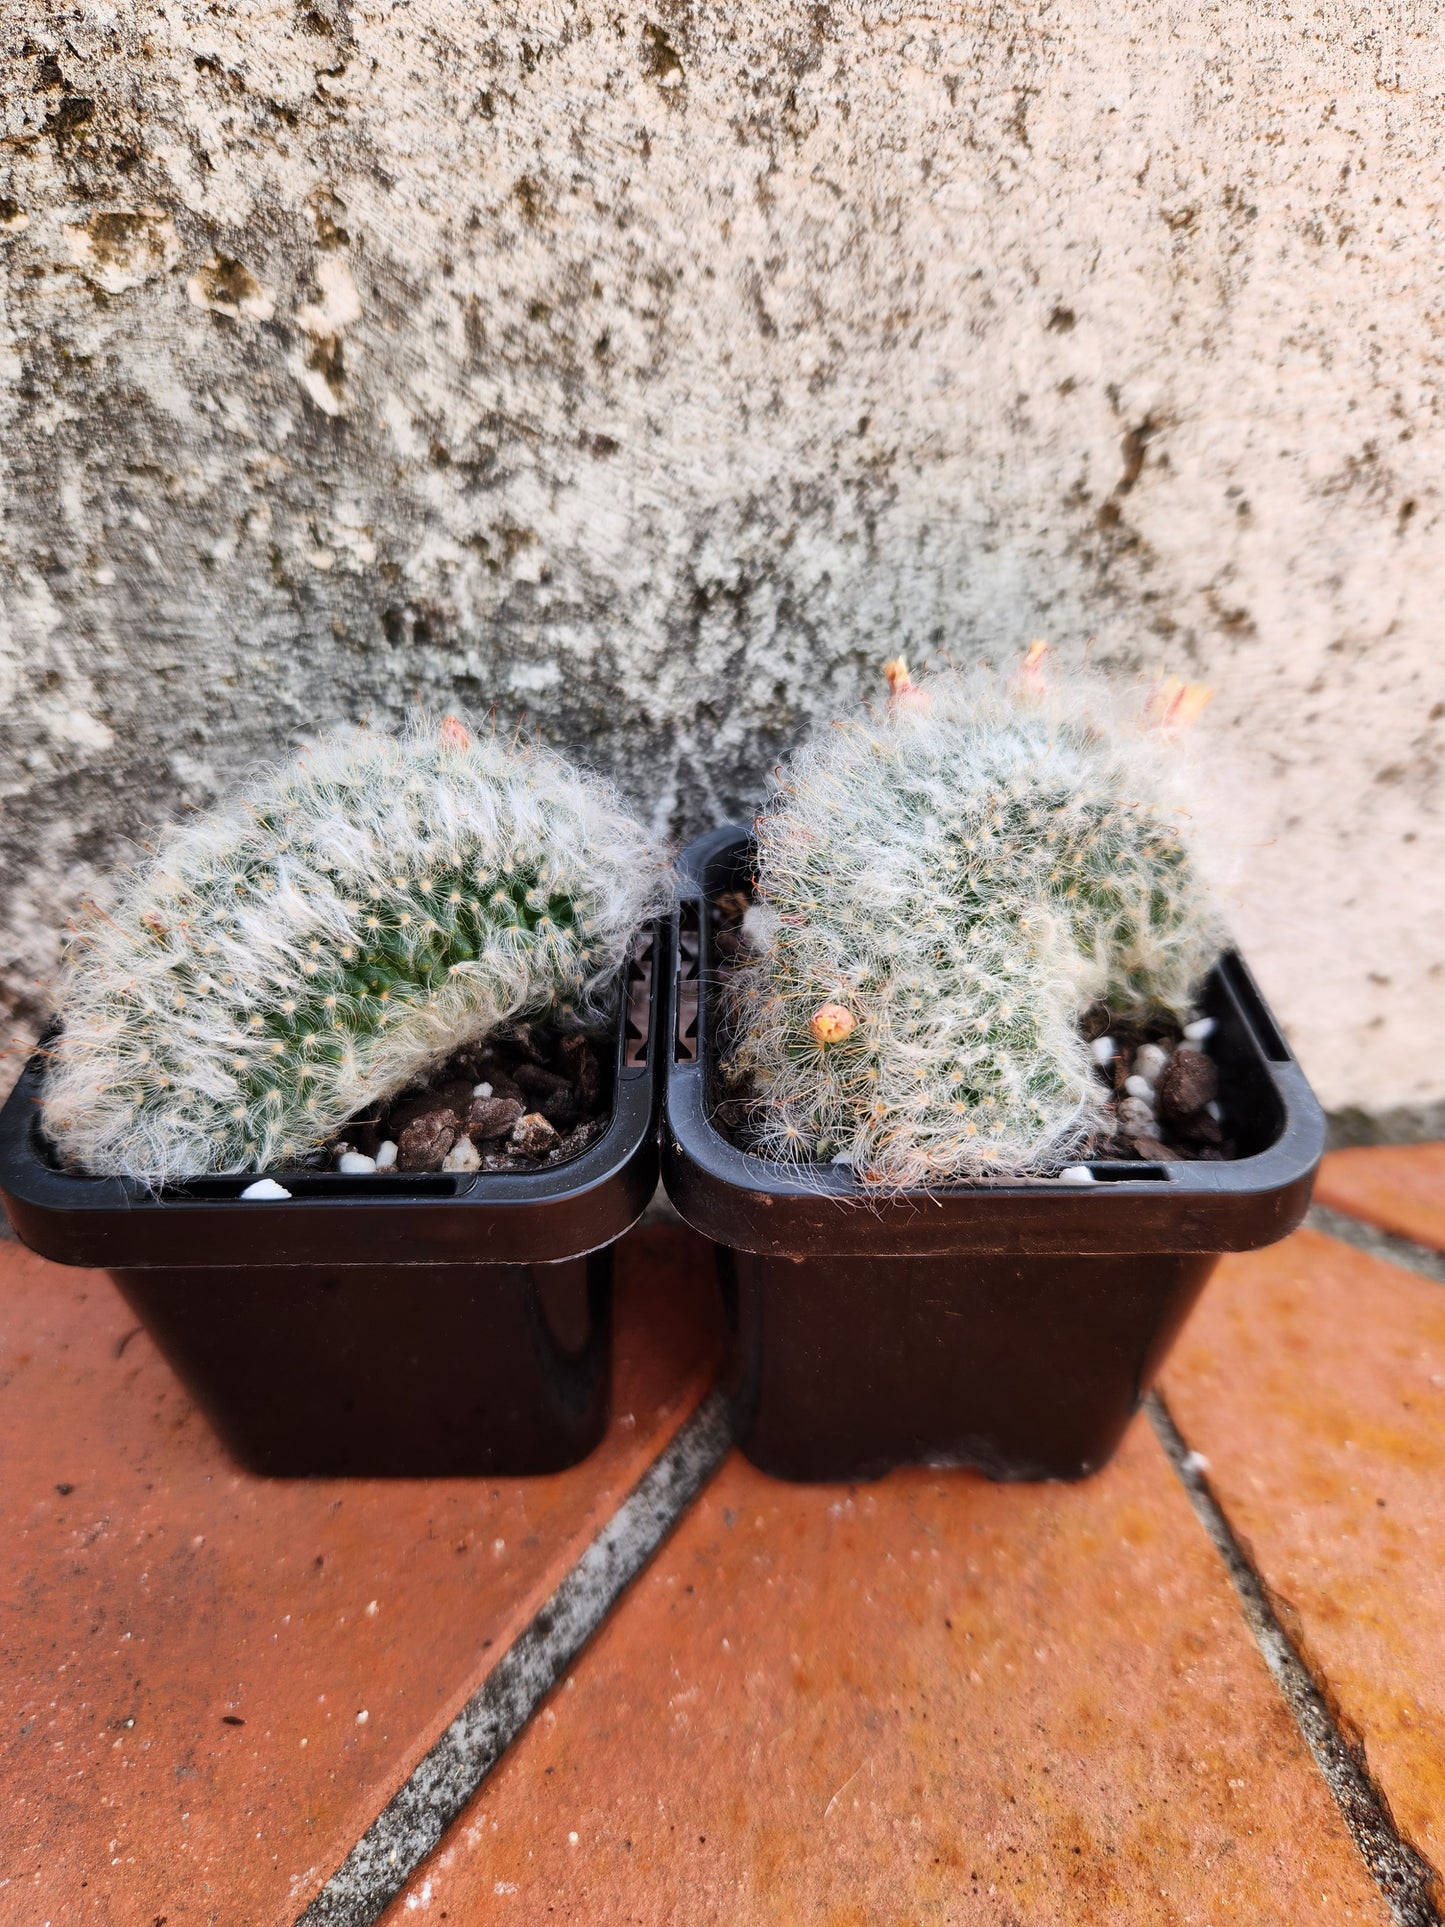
x,y
413,1821
1379,1244
1406,1881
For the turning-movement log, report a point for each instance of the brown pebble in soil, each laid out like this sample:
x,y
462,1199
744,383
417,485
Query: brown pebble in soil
x,y
575,1140
502,1083
454,1095
426,1140
1190,1081
580,1062
551,1094
523,1041
538,1083
1152,1150
1112,1150
533,1135
564,1110
401,1111
492,1117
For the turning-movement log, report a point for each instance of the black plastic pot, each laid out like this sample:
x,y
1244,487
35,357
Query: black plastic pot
x,y
1012,1327
406,1325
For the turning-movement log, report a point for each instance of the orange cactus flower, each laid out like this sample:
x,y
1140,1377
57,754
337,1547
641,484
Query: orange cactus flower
x,y
831,1023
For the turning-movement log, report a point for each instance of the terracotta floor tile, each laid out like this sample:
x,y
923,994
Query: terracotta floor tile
x,y
1399,1187
210,1683
931,1700
1312,1378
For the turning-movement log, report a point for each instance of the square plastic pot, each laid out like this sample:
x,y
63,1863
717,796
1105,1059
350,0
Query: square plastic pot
x,y
414,1325
1011,1327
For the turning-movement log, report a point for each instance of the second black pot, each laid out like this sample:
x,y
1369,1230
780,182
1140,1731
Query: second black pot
x,y
1012,1327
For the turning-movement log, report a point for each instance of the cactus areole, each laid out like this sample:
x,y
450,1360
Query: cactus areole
x,y
356,917
946,888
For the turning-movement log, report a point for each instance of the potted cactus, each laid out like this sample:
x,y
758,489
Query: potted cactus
x,y
969,1089
349,1080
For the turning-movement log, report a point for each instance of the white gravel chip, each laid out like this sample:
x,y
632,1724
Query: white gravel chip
x,y
463,1156
385,1155
481,1090
1141,1088
355,1163
1103,1049
1077,1174
1201,1028
1149,1061
265,1188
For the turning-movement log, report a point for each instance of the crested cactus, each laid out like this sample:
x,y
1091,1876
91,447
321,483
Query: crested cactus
x,y
943,890
357,916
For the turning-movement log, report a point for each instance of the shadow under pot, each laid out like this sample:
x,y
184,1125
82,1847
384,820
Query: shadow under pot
x,y
403,1324
1012,1327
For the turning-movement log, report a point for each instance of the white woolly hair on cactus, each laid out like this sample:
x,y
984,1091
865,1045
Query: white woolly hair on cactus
x,y
943,890
332,935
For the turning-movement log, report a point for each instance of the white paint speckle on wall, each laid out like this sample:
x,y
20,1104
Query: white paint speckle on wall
x,y
657,371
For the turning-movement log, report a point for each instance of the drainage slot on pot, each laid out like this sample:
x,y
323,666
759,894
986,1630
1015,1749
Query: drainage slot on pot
x,y
318,1184
689,944
639,1002
1129,1173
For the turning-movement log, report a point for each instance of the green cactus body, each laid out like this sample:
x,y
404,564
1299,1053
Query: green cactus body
x,y
964,877
279,966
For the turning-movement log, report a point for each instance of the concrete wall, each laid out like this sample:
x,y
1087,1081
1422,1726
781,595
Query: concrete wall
x,y
660,370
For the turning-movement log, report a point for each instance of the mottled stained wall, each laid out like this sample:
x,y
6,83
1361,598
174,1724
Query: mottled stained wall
x,y
659,370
